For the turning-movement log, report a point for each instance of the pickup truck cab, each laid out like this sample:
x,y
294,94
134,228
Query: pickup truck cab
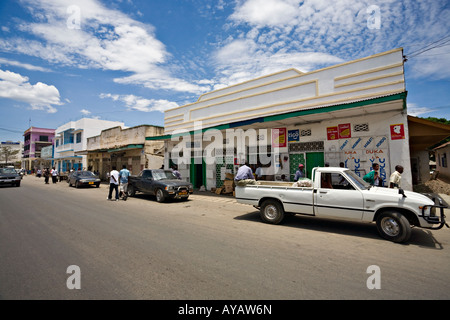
x,y
161,183
338,193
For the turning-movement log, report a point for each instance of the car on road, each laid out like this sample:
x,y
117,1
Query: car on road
x,y
83,178
161,183
9,176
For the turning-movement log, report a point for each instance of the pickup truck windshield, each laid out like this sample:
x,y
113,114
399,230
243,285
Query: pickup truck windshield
x,y
163,175
360,183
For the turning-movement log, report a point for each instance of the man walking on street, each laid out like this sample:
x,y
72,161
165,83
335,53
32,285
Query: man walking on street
x,y
113,183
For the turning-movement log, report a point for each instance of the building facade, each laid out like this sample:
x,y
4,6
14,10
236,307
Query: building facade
x,y
34,140
442,154
116,147
352,114
72,137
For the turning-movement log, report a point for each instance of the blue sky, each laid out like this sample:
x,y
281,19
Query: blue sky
x,y
131,60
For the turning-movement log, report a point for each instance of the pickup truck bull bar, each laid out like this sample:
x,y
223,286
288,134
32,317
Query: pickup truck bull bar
x,y
434,219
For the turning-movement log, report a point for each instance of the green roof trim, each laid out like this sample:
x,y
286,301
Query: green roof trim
x,y
278,117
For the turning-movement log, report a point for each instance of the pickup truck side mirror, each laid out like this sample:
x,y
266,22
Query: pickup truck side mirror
x,y
400,191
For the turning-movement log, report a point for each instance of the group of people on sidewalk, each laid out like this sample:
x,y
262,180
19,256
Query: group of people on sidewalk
x,y
118,179
47,173
374,179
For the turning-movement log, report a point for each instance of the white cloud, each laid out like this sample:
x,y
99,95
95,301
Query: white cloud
x,y
267,12
133,102
106,39
341,29
22,65
415,110
40,96
85,112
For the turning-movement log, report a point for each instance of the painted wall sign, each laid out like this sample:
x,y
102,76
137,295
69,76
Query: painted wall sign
x,y
345,131
332,133
397,131
293,136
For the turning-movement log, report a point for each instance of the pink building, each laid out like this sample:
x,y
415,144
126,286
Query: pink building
x,y
34,140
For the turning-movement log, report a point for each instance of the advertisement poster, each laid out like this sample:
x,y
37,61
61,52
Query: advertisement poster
x,y
397,131
279,138
332,133
344,131
293,136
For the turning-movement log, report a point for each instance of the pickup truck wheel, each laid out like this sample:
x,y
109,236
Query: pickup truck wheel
x,y
131,191
394,226
160,196
272,212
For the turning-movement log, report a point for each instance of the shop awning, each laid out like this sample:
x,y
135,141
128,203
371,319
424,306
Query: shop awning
x,y
425,134
128,147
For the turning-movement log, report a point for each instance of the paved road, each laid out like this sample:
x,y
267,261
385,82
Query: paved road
x,y
205,248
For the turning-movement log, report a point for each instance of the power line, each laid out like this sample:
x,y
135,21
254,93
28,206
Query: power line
x,y
433,45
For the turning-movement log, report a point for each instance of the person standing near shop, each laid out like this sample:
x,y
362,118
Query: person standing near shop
x,y
373,177
299,174
113,183
395,179
123,179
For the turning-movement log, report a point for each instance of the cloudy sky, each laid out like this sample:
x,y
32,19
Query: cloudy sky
x,y
129,60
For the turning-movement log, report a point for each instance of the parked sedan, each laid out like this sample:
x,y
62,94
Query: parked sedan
x,y
9,176
83,178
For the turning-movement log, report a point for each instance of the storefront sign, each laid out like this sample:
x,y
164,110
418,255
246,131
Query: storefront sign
x,y
293,136
279,138
332,133
397,131
344,131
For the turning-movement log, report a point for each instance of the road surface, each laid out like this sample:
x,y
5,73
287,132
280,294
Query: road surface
x,y
205,248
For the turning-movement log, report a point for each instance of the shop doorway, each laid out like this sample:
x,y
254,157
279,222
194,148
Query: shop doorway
x,y
314,159
198,174
308,159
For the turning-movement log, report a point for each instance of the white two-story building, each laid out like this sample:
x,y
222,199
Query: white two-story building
x,y
351,114
71,137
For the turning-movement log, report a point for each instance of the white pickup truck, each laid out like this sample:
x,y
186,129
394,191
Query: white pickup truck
x,y
338,193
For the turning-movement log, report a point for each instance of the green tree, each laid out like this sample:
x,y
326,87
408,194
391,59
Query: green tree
x,y
7,153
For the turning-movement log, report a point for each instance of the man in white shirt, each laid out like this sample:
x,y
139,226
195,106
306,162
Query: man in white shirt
x,y
394,181
113,183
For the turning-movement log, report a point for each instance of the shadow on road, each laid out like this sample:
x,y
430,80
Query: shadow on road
x,y
419,237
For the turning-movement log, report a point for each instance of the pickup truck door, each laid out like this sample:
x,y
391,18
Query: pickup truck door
x,y
147,182
337,198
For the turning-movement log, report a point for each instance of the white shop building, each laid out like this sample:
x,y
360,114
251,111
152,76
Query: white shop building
x,y
352,113
71,138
